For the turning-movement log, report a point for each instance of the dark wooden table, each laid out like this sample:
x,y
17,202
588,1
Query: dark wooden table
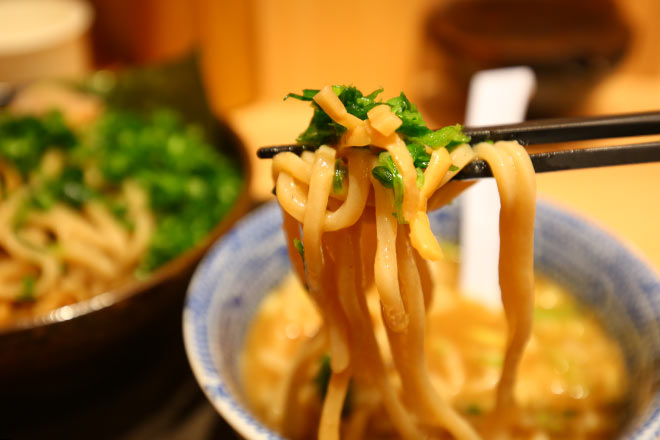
x,y
144,391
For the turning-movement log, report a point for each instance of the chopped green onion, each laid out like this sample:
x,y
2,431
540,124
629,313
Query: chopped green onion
x,y
322,129
413,130
307,95
420,178
322,378
322,381
388,175
25,138
384,176
473,409
27,289
448,137
299,247
420,157
340,173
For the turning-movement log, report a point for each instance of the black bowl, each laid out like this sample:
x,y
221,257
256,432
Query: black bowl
x,y
83,344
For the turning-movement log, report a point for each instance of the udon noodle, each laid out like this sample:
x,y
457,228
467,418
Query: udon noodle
x,y
64,255
344,242
91,198
571,382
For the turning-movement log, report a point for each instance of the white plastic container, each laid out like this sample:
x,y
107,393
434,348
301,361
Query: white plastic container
x,y
43,39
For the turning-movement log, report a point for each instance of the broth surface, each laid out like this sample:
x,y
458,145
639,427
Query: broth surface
x,y
571,383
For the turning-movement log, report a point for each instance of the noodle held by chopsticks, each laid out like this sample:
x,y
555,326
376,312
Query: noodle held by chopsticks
x,y
377,231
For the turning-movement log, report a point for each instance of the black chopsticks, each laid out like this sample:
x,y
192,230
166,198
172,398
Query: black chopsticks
x,y
575,159
270,152
544,131
556,131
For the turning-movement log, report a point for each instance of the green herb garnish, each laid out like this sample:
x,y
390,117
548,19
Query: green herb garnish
x,y
67,187
24,139
448,137
299,247
322,129
420,178
414,129
341,170
474,410
420,157
417,136
307,95
413,122
27,289
322,380
190,186
388,175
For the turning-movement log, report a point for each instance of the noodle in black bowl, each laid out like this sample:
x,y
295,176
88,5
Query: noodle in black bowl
x,y
251,260
76,344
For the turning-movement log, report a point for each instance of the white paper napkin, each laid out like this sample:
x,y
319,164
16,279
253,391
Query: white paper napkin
x,y
498,96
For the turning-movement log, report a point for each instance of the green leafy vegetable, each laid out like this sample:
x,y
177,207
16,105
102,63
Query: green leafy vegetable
x,y
322,129
119,210
322,380
388,175
68,187
474,410
27,289
299,247
420,157
301,250
341,170
24,139
190,185
449,137
384,176
413,130
355,103
420,178
413,122
307,95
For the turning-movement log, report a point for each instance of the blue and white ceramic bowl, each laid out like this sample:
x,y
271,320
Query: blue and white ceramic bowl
x,y
251,259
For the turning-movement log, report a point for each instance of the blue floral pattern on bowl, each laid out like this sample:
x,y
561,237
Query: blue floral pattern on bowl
x,y
251,260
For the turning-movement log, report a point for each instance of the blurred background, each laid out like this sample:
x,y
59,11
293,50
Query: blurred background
x,y
590,56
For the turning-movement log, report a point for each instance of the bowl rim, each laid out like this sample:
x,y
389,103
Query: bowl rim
x,y
174,268
248,426
238,417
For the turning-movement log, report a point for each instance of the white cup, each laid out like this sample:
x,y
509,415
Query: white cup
x,y
43,39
